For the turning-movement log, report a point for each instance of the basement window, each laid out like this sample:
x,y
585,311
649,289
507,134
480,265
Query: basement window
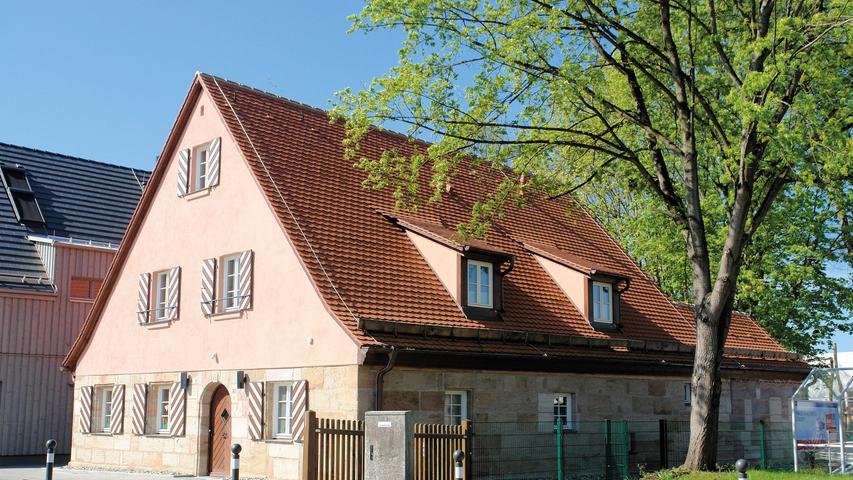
x,y
21,195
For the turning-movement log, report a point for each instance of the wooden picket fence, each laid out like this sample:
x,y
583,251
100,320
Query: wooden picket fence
x,y
433,450
334,449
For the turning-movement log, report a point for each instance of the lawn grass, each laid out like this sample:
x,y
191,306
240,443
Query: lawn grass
x,y
732,475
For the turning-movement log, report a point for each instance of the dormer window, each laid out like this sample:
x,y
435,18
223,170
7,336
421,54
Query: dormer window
x,y
602,302
480,284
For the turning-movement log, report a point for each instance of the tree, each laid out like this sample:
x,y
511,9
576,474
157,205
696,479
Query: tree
x,y
792,281
751,96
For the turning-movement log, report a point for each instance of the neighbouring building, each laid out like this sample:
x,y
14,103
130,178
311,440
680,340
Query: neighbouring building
x,y
61,221
259,279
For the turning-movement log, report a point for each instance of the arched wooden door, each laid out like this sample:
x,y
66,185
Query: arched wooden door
x,y
219,452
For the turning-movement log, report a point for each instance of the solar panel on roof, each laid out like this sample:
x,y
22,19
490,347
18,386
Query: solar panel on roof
x,y
21,195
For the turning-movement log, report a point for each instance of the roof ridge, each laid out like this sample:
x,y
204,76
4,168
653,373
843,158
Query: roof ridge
x,y
73,157
303,105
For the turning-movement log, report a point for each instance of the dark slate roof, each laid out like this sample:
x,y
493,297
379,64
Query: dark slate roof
x,y
80,199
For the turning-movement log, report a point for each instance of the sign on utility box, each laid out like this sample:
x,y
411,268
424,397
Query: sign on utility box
x,y
388,445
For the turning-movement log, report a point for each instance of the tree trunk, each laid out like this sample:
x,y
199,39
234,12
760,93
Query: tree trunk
x,y
706,384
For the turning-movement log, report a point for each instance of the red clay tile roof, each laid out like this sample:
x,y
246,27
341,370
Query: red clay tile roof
x,y
744,332
366,268
442,234
568,259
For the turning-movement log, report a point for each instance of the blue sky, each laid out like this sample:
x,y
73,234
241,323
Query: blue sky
x,y
105,79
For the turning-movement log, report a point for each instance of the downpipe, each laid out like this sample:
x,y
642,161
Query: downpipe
x,y
380,378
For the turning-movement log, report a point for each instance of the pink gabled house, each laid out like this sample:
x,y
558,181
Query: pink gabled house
x,y
61,221
259,279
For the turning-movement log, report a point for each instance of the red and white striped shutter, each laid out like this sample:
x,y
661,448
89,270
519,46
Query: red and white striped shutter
x,y
86,394
143,297
213,150
255,392
246,263
208,285
183,172
117,410
300,409
173,292
177,410
137,421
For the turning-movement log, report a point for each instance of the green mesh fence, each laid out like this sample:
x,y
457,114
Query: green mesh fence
x,y
610,450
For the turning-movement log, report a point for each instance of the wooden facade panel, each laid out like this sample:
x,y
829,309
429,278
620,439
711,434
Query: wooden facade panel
x,y
36,332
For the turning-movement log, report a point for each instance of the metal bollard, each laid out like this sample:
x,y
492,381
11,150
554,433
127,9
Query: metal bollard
x,y
48,466
235,461
740,467
458,456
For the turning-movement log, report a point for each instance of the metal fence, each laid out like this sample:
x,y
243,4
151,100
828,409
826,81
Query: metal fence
x,y
609,450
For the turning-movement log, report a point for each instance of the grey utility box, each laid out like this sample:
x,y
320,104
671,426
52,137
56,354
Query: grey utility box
x,y
388,445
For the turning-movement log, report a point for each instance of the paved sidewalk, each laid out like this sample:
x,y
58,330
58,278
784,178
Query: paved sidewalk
x,y
37,473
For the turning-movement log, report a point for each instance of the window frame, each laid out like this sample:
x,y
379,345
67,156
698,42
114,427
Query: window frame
x,y
569,408
491,286
160,314
463,404
687,393
160,413
275,413
196,165
102,415
224,275
597,285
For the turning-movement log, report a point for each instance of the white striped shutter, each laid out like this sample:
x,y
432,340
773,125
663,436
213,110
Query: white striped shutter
x,y
177,410
246,264
86,394
213,150
183,172
143,298
173,292
300,409
255,392
208,285
140,395
117,410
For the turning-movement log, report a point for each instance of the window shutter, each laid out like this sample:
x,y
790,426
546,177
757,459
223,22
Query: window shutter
x,y
246,264
177,409
173,292
117,410
143,298
140,395
208,285
300,408
183,172
86,409
213,162
255,392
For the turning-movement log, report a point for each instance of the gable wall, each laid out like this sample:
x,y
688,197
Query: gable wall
x,y
288,324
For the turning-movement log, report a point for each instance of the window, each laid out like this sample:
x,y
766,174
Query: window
x,y
161,408
199,179
687,393
84,288
102,416
21,194
161,289
479,284
231,282
455,407
556,407
602,302
282,410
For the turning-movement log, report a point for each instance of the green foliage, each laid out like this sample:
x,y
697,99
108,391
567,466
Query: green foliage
x,y
608,101
682,474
